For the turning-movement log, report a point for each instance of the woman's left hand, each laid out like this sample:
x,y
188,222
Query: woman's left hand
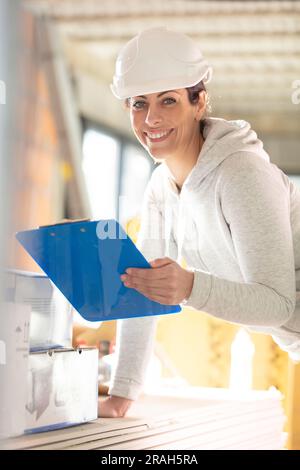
x,y
167,282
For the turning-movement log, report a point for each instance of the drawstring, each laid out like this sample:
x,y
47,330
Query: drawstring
x,y
168,211
180,226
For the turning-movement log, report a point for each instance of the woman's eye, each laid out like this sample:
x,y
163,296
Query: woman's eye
x,y
169,100
143,104
138,104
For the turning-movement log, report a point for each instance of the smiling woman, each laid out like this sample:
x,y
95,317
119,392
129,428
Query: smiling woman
x,y
215,200
167,126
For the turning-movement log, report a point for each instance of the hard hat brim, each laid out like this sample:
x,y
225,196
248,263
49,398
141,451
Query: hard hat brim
x,y
159,85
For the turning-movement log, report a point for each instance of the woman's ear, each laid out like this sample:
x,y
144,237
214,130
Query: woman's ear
x,y
201,105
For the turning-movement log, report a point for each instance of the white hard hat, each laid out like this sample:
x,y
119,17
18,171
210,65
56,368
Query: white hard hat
x,y
158,60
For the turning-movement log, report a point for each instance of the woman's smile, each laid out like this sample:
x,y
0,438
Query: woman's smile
x,y
158,135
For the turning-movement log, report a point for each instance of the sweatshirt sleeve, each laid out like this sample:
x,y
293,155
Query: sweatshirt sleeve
x,y
136,336
256,207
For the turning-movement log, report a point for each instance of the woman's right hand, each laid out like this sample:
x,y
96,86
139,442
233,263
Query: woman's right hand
x,y
113,407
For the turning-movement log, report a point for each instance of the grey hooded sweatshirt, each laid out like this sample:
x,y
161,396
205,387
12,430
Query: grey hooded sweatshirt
x,y
236,222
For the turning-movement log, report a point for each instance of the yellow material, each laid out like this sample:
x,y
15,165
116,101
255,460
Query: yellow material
x,y
132,228
198,345
91,336
66,171
293,406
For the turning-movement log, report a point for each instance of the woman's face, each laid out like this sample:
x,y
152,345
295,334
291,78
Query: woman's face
x,y
165,123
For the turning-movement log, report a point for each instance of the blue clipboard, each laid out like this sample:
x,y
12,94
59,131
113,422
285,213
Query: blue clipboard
x,y
85,259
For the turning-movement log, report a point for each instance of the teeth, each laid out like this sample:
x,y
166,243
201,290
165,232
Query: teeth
x,y
158,135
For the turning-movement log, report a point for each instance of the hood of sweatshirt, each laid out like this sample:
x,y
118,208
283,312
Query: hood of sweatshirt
x,y
222,139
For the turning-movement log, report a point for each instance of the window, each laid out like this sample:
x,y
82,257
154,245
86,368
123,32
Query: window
x,y
295,179
101,162
136,171
116,173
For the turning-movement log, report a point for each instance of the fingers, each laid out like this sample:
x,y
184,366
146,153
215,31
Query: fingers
x,y
113,407
154,295
145,274
161,284
148,274
160,262
158,293
142,284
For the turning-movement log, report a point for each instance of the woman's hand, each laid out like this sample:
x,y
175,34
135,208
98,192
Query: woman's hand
x,y
167,283
113,407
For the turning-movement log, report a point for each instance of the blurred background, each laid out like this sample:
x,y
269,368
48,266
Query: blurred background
x,y
67,150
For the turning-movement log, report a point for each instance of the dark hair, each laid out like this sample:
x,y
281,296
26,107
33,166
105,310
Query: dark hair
x,y
193,94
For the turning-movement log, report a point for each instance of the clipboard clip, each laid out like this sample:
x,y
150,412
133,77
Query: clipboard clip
x,y
65,221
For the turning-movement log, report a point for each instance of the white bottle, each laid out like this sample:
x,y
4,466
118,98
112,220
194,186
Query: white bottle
x,y
241,369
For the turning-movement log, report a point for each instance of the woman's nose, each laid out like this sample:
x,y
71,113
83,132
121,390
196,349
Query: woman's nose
x,y
153,116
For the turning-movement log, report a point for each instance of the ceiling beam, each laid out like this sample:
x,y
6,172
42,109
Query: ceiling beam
x,y
194,26
121,8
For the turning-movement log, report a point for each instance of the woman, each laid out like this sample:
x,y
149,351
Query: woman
x,y
216,200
